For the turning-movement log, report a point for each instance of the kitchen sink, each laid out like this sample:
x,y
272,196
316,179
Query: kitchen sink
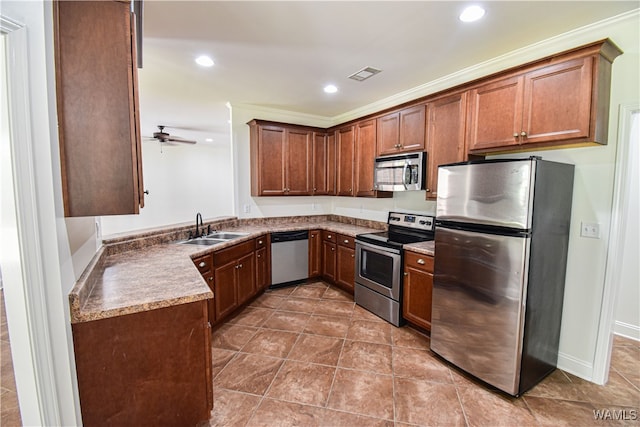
x,y
225,235
202,241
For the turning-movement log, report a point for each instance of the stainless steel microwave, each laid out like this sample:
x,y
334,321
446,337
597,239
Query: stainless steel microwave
x,y
401,172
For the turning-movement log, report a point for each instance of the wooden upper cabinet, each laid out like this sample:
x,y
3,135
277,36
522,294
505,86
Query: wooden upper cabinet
x,y
365,156
298,163
320,165
345,146
401,131
281,159
97,102
332,159
563,100
446,118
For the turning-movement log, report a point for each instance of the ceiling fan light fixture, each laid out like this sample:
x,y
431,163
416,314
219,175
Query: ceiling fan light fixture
x,y
204,61
364,74
471,13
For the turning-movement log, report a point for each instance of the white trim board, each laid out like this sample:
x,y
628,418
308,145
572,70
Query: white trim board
x,y
627,330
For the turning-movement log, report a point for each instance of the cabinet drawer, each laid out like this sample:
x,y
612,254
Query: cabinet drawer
x,y
261,242
204,263
224,256
420,261
329,236
346,241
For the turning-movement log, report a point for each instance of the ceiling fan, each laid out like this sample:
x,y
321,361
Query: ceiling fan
x,y
164,137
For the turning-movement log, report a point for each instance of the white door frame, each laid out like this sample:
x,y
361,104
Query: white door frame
x,y
24,281
621,188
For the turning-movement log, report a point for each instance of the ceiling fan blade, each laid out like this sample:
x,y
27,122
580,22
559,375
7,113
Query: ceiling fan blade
x,y
181,140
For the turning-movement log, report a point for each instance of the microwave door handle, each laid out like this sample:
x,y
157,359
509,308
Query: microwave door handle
x,y
404,174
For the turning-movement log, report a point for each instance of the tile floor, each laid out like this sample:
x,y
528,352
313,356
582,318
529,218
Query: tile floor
x,y
309,356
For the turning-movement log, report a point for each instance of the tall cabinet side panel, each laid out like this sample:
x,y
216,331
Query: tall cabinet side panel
x,y
547,269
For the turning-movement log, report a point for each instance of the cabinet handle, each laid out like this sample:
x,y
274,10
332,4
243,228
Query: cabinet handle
x,y
333,249
406,274
146,192
313,236
428,191
515,135
523,134
259,256
353,256
328,236
420,261
211,279
240,266
346,240
259,242
202,264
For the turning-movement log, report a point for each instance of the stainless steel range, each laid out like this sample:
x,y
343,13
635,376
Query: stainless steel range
x,y
379,256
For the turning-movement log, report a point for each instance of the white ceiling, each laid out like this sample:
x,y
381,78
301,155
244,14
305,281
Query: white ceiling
x,y
281,54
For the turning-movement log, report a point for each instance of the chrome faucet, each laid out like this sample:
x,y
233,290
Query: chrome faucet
x,y
198,224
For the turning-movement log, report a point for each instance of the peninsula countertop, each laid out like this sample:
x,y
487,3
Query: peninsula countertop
x,y
130,274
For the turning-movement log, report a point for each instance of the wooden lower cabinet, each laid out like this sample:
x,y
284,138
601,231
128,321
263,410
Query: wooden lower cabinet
x,y
262,270
315,253
234,277
147,368
329,256
205,267
345,262
418,287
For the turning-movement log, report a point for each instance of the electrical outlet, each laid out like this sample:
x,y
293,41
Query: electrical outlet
x,y
590,229
247,208
314,206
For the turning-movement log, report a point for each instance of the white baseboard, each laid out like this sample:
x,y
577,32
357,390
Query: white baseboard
x,y
577,367
627,330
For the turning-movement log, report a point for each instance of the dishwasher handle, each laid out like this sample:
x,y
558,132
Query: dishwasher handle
x,y
288,236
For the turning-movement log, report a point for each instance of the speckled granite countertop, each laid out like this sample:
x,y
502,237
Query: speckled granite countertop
x,y
425,248
147,271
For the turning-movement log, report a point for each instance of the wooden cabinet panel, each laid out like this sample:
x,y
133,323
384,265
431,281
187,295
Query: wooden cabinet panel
x,y
246,277
269,161
495,113
155,359
345,267
446,119
401,131
204,264
332,159
98,114
345,145
298,163
315,253
365,156
225,290
320,166
262,270
329,260
557,102
418,287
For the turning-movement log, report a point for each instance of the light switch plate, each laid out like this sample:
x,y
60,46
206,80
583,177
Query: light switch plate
x,y
590,229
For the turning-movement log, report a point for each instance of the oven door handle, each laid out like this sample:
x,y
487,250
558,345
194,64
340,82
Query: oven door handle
x,y
378,249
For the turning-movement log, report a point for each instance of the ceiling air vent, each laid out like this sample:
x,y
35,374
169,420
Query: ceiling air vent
x,y
364,74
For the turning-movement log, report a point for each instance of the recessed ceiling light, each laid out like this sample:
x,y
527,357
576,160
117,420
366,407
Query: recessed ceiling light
x,y
471,13
209,140
364,74
204,61
330,89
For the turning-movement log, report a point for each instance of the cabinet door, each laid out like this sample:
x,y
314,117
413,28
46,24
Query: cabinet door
x,y
315,253
412,128
262,269
329,260
418,287
388,134
332,158
345,269
558,102
345,145
101,161
320,164
365,156
445,136
225,294
271,161
246,277
298,163
495,114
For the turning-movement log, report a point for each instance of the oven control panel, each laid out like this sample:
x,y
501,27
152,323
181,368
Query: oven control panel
x,y
421,222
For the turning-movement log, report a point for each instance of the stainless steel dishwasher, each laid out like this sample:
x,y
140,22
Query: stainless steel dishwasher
x,y
289,258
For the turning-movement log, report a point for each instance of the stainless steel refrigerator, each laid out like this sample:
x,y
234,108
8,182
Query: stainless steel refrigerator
x,y
502,234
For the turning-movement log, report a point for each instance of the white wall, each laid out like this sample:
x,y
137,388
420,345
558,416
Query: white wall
x,y
182,180
627,314
593,188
